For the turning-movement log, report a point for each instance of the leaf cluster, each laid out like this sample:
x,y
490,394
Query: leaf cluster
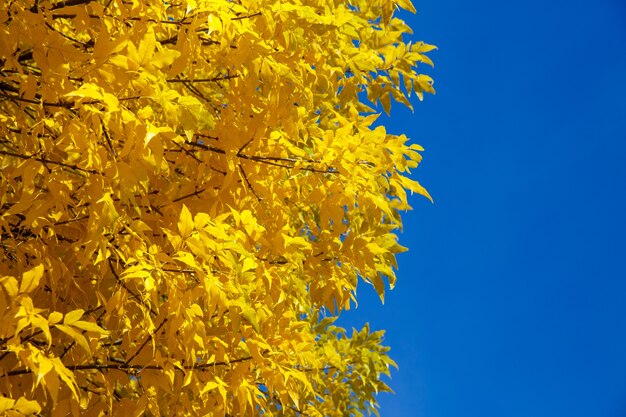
x,y
189,193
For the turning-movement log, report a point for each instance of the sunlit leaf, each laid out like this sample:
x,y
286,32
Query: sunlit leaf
x,y
192,192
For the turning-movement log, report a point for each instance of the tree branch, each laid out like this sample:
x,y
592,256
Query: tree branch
x,y
123,284
127,367
245,177
145,343
269,160
49,161
202,80
197,192
248,16
65,105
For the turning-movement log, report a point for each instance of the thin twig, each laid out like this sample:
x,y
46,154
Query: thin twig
x,y
127,367
41,103
48,161
245,177
123,284
202,80
150,337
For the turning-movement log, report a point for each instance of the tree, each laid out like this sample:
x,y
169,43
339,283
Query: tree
x,y
190,191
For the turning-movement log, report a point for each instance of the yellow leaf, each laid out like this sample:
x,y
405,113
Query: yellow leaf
x,y
41,323
209,386
45,366
6,404
195,309
87,90
422,47
66,375
185,223
415,186
73,316
89,327
55,317
10,285
30,279
186,258
146,47
146,113
109,211
214,24
76,336
164,58
250,314
406,5
27,407
136,271
385,100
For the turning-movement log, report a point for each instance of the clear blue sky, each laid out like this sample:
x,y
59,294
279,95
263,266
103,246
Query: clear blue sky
x,y
512,299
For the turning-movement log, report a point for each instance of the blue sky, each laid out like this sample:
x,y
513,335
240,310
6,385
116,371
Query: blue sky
x,y
512,299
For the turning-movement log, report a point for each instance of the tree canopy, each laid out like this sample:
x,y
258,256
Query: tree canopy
x,y
189,192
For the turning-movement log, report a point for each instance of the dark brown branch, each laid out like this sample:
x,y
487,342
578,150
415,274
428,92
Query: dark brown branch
x,y
201,135
84,44
145,342
71,220
90,311
48,161
69,3
244,146
108,139
188,152
8,87
128,98
269,160
203,80
123,284
166,22
208,147
248,16
189,86
282,405
195,193
38,102
245,177
126,367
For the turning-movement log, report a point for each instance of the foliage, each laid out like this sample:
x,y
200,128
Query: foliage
x,y
190,192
